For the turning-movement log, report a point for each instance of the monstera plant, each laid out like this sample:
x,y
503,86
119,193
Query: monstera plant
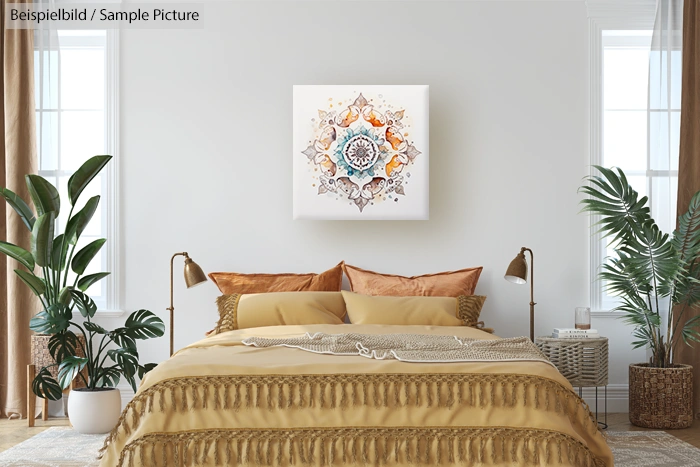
x,y
55,273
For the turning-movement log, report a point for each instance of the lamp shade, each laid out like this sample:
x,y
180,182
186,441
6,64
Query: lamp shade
x,y
193,273
517,270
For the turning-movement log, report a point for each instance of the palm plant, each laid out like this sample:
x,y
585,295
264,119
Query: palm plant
x,y
60,295
651,270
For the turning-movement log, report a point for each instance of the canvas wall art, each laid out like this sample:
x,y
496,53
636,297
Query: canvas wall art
x,y
360,152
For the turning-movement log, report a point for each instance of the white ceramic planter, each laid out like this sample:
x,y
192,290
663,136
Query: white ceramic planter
x,y
93,412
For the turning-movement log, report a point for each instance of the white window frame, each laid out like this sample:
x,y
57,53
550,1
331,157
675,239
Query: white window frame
x,y
111,307
626,15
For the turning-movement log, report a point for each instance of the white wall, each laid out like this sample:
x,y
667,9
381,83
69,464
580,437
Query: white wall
x,y
206,151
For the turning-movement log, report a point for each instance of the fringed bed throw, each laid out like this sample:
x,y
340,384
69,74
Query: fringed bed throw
x,y
358,446
414,348
191,399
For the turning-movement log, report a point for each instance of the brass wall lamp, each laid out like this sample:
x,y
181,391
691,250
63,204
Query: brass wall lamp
x,y
517,274
193,276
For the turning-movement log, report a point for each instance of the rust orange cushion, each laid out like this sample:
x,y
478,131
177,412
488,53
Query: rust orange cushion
x,y
442,284
235,282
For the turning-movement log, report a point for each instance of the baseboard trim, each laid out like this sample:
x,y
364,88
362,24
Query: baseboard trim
x,y
618,398
126,393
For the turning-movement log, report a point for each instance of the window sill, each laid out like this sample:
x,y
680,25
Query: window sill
x,y
607,314
110,313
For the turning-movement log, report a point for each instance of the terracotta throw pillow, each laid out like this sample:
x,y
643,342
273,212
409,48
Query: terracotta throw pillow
x,y
442,284
241,311
235,282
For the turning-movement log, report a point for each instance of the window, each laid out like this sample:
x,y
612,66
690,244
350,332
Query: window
x,y
75,94
629,129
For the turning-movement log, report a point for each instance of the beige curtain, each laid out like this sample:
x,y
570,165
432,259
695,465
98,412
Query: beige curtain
x,y
17,158
689,157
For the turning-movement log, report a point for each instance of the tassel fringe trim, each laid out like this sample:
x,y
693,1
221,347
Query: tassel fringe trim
x,y
286,392
371,446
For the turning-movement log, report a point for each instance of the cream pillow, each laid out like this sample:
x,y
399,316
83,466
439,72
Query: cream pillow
x,y
428,311
366,309
240,311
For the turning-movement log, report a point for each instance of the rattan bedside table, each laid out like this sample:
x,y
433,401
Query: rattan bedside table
x,y
584,362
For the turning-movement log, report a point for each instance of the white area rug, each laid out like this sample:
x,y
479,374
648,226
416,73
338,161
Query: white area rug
x,y
651,448
64,447
55,447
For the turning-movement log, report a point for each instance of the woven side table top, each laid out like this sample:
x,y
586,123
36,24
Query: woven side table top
x,y
584,362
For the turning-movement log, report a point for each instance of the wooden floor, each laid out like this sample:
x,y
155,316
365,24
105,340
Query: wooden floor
x,y
15,431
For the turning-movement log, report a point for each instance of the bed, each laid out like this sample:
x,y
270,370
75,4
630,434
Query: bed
x,y
220,402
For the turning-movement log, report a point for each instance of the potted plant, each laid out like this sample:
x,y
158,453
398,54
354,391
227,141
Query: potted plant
x,y
657,279
47,272
94,408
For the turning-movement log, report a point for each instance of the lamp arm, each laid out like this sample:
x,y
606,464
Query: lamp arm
x,y
532,292
171,309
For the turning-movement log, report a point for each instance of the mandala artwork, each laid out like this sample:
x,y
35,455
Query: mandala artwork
x,y
363,152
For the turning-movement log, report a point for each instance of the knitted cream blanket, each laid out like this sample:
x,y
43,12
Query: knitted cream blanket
x,y
415,348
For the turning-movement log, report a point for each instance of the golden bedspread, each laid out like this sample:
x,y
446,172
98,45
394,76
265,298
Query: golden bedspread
x,y
218,402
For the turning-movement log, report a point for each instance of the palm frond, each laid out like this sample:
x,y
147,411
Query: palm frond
x,y
686,243
688,287
611,197
690,332
644,338
621,281
652,258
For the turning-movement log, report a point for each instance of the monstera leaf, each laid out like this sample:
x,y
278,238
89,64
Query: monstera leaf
x,y
85,304
53,320
121,337
69,369
108,377
96,328
128,362
143,324
127,359
143,369
63,345
45,386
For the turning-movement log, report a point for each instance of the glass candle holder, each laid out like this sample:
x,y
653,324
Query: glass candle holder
x,y
582,318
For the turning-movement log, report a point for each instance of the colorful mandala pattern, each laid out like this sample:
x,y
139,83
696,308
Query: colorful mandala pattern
x,y
362,152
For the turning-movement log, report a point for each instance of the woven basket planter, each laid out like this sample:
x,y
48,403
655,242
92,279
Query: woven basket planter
x,y
41,356
661,397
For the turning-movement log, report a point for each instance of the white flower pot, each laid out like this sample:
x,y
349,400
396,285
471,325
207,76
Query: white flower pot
x,y
93,412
